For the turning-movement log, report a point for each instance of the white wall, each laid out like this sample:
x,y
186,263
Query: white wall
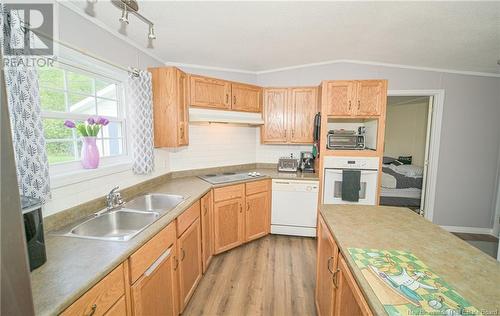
x,y
466,181
406,130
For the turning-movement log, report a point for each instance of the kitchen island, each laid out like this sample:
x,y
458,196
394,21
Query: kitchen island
x,y
473,274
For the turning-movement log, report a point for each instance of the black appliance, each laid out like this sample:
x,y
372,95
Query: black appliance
x,y
316,134
306,162
33,229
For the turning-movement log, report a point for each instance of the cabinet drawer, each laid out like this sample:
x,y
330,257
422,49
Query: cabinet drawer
x,y
256,187
229,192
143,258
188,217
99,299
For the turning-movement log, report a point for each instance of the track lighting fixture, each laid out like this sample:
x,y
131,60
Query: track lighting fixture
x,y
132,7
124,17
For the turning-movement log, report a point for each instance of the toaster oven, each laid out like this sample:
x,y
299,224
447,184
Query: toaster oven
x,y
345,141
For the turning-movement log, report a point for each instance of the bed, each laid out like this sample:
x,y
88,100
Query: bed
x,y
401,184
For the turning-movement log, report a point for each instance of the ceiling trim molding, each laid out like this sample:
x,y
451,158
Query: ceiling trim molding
x,y
73,7
250,72
79,11
375,63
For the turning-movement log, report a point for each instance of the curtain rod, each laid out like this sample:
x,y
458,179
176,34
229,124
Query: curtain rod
x,y
130,70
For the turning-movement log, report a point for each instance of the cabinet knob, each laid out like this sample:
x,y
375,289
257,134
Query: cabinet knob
x,y
334,279
227,98
359,105
241,208
176,263
206,209
183,254
234,99
350,105
248,206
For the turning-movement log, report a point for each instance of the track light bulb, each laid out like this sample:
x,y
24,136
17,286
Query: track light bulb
x,y
151,34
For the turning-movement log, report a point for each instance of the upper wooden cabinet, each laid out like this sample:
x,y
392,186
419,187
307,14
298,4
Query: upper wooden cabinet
x,y
170,107
210,92
224,95
288,115
246,97
354,98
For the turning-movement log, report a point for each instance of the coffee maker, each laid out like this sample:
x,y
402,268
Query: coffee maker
x,y
306,163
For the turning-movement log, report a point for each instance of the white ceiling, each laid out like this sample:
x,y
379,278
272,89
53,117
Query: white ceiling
x,y
259,36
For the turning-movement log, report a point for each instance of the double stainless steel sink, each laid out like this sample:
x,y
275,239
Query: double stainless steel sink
x,y
124,223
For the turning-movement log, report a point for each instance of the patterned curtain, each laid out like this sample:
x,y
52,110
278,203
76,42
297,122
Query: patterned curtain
x,y
26,119
140,102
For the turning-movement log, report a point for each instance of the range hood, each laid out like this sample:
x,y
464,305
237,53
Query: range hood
x,y
220,116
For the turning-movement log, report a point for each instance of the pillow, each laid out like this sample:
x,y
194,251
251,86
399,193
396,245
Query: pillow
x,y
396,163
387,160
405,159
410,171
388,181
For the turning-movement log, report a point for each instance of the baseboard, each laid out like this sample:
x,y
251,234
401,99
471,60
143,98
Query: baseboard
x,y
470,230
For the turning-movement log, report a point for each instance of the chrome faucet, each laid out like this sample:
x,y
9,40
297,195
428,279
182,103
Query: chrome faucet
x,y
113,199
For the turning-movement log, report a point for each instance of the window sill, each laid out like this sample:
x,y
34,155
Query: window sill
x,y
82,175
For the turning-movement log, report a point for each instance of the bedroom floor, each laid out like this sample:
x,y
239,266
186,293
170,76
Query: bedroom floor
x,y
486,243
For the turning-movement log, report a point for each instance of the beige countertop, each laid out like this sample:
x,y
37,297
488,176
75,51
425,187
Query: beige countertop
x,y
74,265
475,275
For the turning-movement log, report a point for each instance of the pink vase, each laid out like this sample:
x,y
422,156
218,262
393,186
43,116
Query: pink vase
x,y
90,153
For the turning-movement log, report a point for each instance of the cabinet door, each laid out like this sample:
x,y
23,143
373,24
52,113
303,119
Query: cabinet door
x,y
154,292
370,97
275,116
209,92
326,269
190,263
228,224
183,112
257,216
340,98
246,98
349,299
303,108
207,230
119,309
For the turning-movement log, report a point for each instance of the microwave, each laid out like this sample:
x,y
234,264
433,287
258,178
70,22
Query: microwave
x,y
345,141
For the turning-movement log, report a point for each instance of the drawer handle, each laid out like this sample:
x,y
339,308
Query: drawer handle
x,y
334,279
92,310
227,98
234,100
183,254
206,209
248,206
328,265
349,105
359,105
158,261
241,208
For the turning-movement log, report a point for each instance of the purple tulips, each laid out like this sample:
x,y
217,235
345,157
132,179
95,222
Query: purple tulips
x,y
90,127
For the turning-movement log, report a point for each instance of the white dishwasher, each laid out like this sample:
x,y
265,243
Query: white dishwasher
x,y
294,207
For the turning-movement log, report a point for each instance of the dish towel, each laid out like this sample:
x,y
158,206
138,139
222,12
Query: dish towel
x,y
351,184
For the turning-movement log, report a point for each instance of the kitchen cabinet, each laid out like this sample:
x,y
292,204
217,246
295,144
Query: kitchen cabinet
x,y
303,108
207,229
210,92
257,215
337,292
288,115
119,309
153,275
190,260
355,97
102,297
170,107
349,299
228,217
245,97
153,293
326,270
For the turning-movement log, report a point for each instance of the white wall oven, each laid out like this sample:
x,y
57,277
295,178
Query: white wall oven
x,y
333,175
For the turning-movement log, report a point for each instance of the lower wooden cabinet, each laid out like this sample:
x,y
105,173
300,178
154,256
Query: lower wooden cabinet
x,y
119,309
337,292
228,224
190,262
102,297
258,205
207,229
153,293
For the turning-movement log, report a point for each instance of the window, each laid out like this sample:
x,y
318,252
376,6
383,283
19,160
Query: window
x,y
68,93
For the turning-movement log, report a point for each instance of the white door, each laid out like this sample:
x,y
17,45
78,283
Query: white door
x,y
426,156
332,192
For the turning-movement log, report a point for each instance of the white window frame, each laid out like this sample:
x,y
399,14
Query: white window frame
x,y
66,173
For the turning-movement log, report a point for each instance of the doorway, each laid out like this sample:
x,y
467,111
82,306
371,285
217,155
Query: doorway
x,y
411,137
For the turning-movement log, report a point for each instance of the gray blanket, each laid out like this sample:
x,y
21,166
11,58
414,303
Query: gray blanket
x,y
402,181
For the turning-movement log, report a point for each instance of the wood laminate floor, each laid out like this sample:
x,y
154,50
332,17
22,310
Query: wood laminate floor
x,y
274,275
